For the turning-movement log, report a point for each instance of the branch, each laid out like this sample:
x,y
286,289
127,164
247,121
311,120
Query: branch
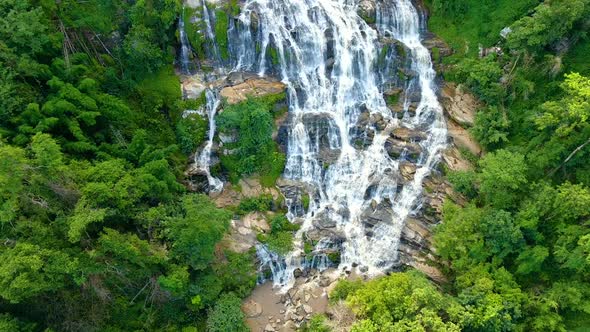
x,y
140,291
569,157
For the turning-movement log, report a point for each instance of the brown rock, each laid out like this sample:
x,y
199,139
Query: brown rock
x,y
256,87
459,105
407,134
252,309
454,160
462,138
407,170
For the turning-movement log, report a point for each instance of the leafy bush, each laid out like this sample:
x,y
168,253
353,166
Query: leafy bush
x,y
261,203
406,299
317,323
482,76
255,151
191,132
237,272
491,127
344,288
226,315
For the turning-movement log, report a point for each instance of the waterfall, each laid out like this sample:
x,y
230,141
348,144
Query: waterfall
x,y
185,48
329,59
203,160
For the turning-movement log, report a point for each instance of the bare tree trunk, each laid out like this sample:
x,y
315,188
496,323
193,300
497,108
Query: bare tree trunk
x,y
569,157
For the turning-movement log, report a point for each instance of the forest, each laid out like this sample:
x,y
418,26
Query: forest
x,y
98,231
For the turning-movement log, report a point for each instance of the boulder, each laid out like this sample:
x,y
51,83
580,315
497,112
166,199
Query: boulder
x,y
323,220
395,147
432,42
459,105
255,87
368,10
377,213
407,134
252,309
193,87
407,170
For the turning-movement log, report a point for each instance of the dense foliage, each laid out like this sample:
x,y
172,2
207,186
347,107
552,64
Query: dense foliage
x,y
517,255
98,234
254,150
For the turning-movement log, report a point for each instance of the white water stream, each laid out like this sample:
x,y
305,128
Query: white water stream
x,y
328,58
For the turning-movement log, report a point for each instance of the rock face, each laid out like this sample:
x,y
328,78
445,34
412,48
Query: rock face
x,y
453,159
193,87
462,138
459,105
255,87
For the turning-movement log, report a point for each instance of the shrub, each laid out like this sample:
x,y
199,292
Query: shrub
x,y
255,151
226,315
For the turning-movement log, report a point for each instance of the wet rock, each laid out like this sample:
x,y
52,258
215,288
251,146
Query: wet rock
x,y
407,170
238,77
459,105
382,213
324,220
367,10
322,131
297,273
407,134
255,87
396,147
252,309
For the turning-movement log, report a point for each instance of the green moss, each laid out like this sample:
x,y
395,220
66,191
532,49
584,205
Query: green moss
x,y
233,8
334,257
367,18
435,54
273,54
402,76
261,237
193,31
392,99
307,248
400,50
221,27
280,242
383,53
305,201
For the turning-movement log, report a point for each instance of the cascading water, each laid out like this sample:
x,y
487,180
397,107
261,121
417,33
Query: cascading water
x,y
185,48
203,160
328,58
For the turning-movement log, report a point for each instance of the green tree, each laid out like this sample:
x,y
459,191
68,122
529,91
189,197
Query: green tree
x,y
196,229
405,302
226,315
502,178
28,270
